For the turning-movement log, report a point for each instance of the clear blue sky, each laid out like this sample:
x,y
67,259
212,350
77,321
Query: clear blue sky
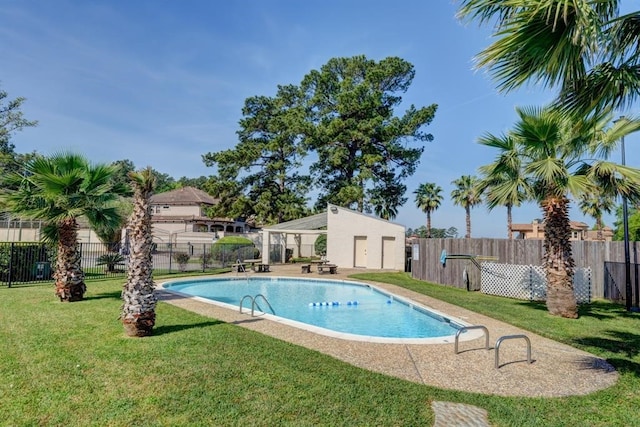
x,y
162,82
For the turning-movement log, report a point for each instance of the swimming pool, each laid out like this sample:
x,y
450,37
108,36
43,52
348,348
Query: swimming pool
x,y
339,308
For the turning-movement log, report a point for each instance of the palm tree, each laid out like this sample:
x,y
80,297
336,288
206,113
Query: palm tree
x,y
562,157
138,311
428,199
584,47
503,180
58,190
468,193
595,205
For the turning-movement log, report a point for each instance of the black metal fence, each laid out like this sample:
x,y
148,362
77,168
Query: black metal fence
x,y
26,263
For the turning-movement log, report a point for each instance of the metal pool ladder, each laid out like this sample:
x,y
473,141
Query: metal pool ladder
x,y
254,303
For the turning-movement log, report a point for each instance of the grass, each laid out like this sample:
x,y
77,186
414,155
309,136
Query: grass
x,y
71,365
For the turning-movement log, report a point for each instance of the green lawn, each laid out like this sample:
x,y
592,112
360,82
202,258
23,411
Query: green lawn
x,y
71,365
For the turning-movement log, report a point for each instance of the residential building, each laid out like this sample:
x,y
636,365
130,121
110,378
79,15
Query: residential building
x,y
179,216
579,231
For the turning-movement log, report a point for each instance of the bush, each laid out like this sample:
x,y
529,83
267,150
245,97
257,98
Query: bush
x,y
320,245
182,258
230,248
110,259
205,259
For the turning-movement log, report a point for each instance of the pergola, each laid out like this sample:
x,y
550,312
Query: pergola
x,y
310,225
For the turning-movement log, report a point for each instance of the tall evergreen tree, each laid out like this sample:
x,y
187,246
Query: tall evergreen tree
x,y
270,155
351,105
11,120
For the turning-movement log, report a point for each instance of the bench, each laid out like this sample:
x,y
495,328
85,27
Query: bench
x,y
263,268
305,268
332,268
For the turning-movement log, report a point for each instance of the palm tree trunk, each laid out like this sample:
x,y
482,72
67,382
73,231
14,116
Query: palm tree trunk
x,y
138,311
468,212
559,263
68,274
509,223
599,226
428,224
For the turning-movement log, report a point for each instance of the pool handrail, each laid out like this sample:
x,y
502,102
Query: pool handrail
x,y
465,329
254,303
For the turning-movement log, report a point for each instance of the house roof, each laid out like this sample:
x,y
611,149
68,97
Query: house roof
x,y
184,196
313,222
523,227
575,225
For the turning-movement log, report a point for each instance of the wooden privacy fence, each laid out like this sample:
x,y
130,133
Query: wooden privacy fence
x,y
462,272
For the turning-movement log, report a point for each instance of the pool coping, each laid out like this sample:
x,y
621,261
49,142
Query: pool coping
x,y
557,369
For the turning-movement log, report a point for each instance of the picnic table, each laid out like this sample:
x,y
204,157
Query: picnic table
x,y
253,263
332,268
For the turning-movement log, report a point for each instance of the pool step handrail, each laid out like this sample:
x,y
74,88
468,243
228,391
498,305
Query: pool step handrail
x,y
254,303
240,265
511,337
465,329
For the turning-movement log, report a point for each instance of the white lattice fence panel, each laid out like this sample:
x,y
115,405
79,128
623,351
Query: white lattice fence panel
x,y
528,282
507,280
582,285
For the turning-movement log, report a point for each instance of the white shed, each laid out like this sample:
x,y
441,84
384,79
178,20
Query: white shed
x,y
358,240
353,239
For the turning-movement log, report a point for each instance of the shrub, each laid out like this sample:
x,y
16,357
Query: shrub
x,y
320,245
110,259
182,258
230,248
205,259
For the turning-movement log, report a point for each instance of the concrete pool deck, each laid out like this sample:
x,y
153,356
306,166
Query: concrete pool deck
x,y
557,369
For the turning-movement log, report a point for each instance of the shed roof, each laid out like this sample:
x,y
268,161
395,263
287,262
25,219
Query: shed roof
x,y
313,222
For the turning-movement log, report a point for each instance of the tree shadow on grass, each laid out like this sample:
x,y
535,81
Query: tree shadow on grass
x,y
623,343
534,305
600,310
105,295
167,329
625,366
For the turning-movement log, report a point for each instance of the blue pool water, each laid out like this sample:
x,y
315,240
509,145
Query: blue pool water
x,y
341,306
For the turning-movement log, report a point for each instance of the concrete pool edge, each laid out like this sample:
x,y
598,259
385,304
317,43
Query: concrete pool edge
x,y
558,369
448,339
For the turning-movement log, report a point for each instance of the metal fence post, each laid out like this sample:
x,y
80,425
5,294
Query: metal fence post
x,y
170,255
10,264
204,257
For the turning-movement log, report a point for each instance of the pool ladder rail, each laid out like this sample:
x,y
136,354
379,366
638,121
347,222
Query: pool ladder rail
x,y
498,342
254,303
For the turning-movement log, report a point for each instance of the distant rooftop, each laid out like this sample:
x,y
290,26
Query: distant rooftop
x,y
184,196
